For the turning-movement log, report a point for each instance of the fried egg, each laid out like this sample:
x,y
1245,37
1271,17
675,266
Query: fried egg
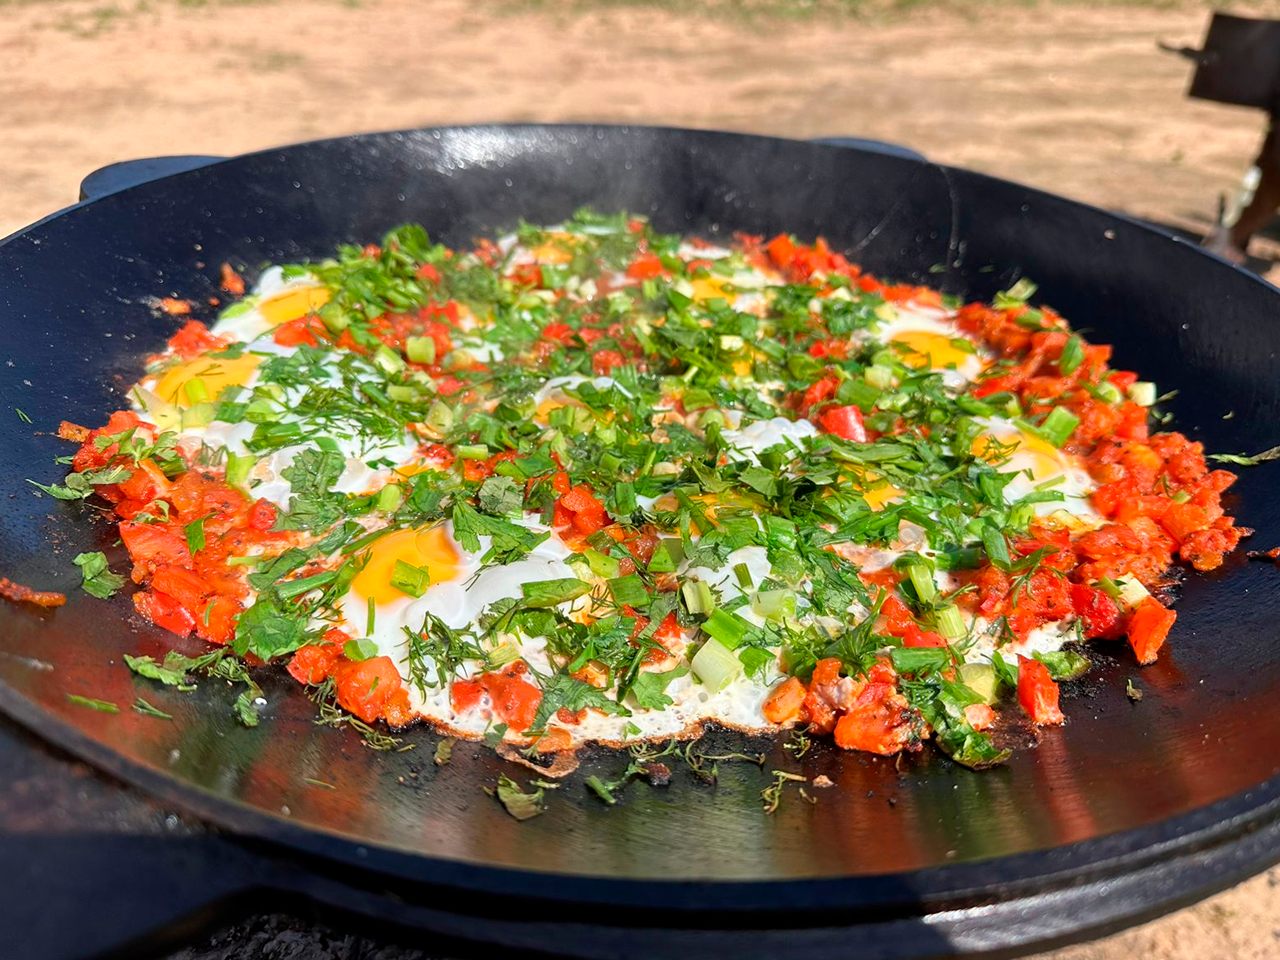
x,y
1038,466
275,300
925,338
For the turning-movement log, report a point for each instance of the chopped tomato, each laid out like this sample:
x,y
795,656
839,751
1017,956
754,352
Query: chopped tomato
x,y
1098,612
262,515
364,687
781,249
913,636
313,664
897,618
165,612
980,716
1148,627
515,700
845,422
217,621
465,694
879,721
604,362
396,711
558,332
145,483
1037,692
554,740
297,332
152,543
188,588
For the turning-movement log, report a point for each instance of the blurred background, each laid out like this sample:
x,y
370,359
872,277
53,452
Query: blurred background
x,y
1069,95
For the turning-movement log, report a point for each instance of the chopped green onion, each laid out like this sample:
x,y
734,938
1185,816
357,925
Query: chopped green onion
x,y
1059,426
196,391
389,498
921,578
473,451
1143,393
743,574
950,623
774,604
199,415
402,393
879,377
1108,392
697,596
501,655
666,556
601,564
389,360
715,665
1072,356
729,628
421,349
981,679
409,579
239,466
290,589
440,417
550,593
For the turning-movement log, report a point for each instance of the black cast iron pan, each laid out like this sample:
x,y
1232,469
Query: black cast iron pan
x,y
1128,810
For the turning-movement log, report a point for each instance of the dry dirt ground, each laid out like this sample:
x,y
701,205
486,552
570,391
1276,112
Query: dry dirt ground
x,y
1073,97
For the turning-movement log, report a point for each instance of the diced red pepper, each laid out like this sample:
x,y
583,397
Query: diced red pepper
x,y
1148,627
152,542
559,332
645,266
1037,692
313,664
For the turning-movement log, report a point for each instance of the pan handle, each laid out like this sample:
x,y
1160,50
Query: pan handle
x,y
875,146
129,173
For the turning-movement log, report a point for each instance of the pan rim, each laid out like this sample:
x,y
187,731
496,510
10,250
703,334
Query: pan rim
x,y
1201,829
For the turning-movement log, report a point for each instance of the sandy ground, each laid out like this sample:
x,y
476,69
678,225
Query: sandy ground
x,y
1072,98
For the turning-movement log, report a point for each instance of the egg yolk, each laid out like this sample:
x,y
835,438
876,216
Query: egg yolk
x,y
1043,459
427,549
928,349
545,408
708,288
554,250
214,374
292,304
